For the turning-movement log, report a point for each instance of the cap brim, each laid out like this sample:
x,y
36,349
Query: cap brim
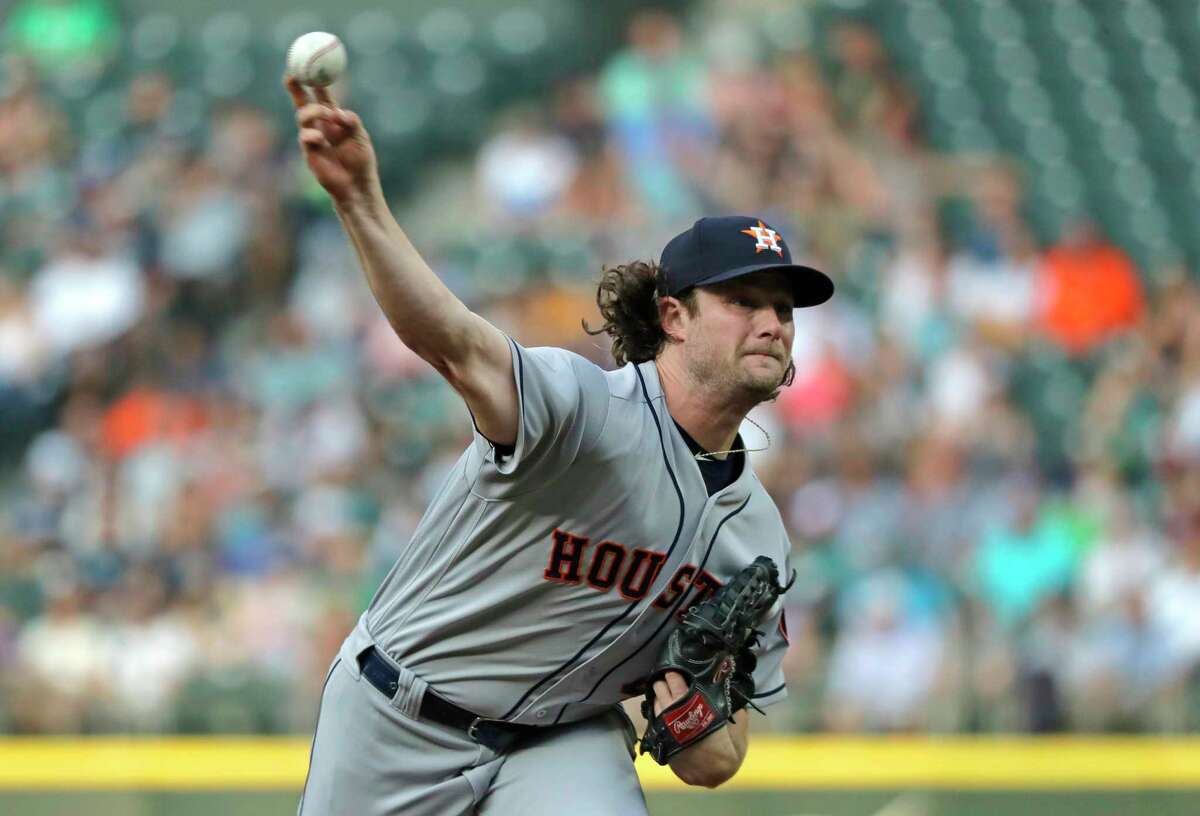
x,y
810,287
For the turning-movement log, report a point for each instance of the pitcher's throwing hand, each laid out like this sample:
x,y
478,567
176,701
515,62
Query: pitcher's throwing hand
x,y
336,146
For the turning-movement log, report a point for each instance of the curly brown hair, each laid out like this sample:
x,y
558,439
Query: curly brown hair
x,y
627,297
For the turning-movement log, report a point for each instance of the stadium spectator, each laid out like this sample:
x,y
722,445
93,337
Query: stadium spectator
x,y
1174,601
1022,563
214,446
886,662
1088,290
655,101
1126,559
524,169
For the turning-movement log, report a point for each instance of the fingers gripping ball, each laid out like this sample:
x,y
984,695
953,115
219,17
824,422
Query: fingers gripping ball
x,y
317,58
711,648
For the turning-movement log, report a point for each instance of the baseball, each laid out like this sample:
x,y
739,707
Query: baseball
x,y
317,58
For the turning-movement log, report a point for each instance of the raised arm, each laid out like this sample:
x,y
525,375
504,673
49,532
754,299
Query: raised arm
x,y
471,353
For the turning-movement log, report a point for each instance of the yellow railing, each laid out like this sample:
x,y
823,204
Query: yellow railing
x,y
233,763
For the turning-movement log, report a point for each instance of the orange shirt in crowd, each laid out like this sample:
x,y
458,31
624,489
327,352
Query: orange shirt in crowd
x,y
1087,293
145,415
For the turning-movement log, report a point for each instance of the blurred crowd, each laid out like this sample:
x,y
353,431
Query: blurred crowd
x,y
214,447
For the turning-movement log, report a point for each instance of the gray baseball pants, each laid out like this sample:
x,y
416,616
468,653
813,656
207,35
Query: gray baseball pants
x,y
373,757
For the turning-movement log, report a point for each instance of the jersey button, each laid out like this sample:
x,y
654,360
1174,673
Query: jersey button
x,y
540,713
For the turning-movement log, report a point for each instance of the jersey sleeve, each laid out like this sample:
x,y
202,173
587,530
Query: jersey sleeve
x,y
769,683
563,403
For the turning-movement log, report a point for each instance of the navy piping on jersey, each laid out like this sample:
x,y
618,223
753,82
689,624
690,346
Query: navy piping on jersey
x,y
520,373
631,606
666,617
768,692
504,451
520,388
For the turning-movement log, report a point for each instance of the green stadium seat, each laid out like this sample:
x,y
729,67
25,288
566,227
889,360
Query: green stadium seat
x,y
999,20
373,33
928,22
446,30
154,38
291,26
1072,20
1104,76
226,33
1015,60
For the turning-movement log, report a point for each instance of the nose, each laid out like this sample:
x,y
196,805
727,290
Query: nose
x,y
769,324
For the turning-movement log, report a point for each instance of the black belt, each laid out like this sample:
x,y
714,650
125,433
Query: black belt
x,y
495,734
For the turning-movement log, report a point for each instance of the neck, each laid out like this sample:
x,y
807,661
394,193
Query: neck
x,y
710,418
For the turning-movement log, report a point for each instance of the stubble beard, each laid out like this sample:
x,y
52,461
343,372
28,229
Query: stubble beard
x,y
728,377
766,387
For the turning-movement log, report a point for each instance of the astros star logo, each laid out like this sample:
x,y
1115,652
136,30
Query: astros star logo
x,y
767,239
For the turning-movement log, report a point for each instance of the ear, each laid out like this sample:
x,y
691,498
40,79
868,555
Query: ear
x,y
673,318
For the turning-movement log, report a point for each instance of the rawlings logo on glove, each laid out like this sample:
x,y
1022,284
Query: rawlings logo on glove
x,y
711,649
690,721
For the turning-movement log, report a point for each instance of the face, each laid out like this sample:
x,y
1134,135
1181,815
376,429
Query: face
x,y
739,342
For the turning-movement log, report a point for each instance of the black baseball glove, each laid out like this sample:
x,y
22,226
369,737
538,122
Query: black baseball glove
x,y
711,648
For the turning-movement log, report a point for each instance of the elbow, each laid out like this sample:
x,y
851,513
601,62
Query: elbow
x,y
446,368
440,355
454,358
451,364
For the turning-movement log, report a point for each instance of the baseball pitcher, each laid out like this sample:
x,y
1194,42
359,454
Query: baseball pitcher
x,y
603,538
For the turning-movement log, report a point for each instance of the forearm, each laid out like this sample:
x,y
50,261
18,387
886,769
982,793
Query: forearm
x,y
472,354
424,313
716,758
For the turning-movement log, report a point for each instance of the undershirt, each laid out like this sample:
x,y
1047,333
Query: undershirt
x,y
718,473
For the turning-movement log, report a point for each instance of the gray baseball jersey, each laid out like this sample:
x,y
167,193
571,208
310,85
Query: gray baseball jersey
x,y
539,586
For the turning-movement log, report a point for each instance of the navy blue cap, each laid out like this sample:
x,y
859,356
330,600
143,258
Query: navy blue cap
x,y
719,249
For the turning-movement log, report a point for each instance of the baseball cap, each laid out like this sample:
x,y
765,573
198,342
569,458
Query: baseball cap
x,y
720,248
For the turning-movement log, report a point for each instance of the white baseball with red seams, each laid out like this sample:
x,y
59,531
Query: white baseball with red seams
x,y
317,58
